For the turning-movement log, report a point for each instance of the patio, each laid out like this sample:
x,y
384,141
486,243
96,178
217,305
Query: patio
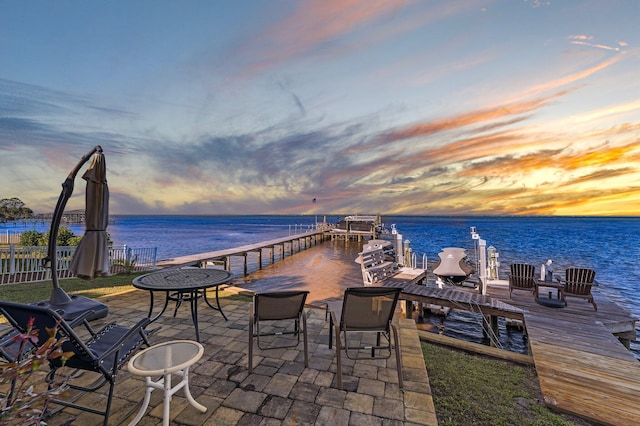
x,y
280,390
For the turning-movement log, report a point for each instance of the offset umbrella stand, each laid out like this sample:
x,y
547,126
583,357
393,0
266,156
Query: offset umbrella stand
x,y
69,307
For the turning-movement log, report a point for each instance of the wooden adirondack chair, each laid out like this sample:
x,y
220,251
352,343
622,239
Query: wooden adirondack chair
x,y
578,283
522,277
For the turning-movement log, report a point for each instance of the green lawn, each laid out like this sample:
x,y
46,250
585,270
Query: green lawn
x,y
33,292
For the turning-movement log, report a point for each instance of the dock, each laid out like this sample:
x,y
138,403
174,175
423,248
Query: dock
x,y
583,364
276,249
580,355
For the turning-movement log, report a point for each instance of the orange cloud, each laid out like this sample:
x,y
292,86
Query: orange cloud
x,y
316,22
473,117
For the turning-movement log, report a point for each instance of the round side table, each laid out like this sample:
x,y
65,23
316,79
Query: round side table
x,y
165,359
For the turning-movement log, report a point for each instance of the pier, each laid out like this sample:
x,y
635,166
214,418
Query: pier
x,y
285,245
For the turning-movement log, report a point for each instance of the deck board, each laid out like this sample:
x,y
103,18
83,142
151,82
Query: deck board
x,y
582,367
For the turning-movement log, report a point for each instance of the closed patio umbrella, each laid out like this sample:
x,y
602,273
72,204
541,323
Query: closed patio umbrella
x,y
91,258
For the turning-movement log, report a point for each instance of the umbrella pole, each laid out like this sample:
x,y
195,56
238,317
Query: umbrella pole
x,y
58,295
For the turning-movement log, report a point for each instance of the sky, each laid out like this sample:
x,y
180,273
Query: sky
x,y
424,107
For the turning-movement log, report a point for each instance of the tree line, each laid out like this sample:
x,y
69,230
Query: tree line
x,y
14,209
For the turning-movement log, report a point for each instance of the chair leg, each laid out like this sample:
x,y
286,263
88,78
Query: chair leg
x,y
107,412
338,349
398,356
251,343
304,336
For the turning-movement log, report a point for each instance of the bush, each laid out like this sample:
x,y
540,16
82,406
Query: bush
x,y
30,238
66,238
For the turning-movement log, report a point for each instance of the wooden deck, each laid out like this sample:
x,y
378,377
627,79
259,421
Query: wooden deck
x,y
582,366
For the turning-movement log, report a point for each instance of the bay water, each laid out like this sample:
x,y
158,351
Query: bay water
x,y
608,245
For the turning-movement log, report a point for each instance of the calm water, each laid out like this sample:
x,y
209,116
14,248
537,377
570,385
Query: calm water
x,y
607,245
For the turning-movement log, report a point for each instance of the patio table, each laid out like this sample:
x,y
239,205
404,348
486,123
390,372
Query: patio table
x,y
550,301
165,359
184,285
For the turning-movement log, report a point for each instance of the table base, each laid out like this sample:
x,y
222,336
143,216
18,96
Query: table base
x,y
164,383
551,303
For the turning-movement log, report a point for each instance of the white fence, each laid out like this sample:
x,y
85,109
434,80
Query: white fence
x,y
10,237
24,264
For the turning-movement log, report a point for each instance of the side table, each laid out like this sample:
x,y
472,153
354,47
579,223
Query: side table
x,y
549,301
164,359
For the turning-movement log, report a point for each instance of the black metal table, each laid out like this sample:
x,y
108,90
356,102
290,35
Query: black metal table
x,y
184,285
550,301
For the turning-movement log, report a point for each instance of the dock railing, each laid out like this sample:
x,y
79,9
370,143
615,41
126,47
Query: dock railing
x,y
24,263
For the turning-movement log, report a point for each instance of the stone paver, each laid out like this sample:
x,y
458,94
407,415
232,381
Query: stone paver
x,y
280,390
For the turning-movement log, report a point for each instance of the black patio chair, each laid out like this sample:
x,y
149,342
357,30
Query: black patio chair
x,y
104,353
12,351
367,310
274,307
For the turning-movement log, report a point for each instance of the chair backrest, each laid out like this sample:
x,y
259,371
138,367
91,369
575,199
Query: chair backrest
x,y
368,308
522,275
579,280
19,315
277,305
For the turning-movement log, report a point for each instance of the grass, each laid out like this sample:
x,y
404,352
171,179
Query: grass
x,y
472,389
36,291
33,292
467,389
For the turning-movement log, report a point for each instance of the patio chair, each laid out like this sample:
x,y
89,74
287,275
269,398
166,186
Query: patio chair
x,y
278,306
522,277
367,313
578,283
104,353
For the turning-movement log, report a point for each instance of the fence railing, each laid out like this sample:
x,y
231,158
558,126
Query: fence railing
x,y
24,264
10,237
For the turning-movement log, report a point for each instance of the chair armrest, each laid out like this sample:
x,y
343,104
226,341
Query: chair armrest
x,y
80,319
324,306
334,328
120,342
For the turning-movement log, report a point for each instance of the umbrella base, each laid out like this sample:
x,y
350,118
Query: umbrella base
x,y
76,307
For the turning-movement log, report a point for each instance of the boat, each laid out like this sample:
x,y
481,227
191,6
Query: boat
x,y
453,267
369,225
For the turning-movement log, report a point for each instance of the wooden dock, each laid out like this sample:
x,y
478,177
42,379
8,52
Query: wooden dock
x,y
274,248
583,366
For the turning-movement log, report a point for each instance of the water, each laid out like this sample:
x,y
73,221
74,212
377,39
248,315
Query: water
x,y
607,245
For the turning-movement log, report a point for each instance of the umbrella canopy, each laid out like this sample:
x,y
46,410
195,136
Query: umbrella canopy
x,y
91,258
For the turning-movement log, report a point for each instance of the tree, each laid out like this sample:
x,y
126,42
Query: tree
x,y
14,208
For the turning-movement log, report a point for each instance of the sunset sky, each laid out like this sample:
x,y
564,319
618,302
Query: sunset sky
x,y
514,107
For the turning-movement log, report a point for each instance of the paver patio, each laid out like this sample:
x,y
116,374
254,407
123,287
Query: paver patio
x,y
280,390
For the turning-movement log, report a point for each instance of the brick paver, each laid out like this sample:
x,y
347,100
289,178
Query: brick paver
x,y
280,390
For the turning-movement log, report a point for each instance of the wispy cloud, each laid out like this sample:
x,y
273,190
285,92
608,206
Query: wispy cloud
x,y
585,40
